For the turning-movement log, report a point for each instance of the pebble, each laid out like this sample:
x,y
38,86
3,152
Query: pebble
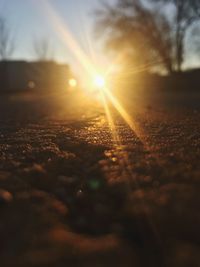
x,y
5,197
80,194
36,169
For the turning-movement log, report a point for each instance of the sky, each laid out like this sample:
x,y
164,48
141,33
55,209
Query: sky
x,y
68,24
31,20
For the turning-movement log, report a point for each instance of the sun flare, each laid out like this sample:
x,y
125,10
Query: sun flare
x,y
99,81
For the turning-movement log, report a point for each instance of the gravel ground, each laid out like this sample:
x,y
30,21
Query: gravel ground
x,y
74,194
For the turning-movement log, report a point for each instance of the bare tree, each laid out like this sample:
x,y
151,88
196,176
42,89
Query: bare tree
x,y
147,31
42,49
7,45
195,45
133,28
186,12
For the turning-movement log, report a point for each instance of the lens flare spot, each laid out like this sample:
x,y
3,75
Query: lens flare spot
x,y
73,83
94,184
31,84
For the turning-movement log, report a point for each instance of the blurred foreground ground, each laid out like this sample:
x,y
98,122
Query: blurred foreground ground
x,y
70,196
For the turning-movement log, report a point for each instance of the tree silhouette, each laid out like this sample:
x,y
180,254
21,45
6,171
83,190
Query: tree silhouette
x,y
42,49
186,12
146,32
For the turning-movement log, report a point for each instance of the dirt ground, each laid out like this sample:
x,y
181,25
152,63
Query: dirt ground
x,y
75,193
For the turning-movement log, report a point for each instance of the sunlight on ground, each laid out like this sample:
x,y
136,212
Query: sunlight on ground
x,y
107,99
99,81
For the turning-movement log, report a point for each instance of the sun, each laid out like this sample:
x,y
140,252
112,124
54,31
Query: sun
x,y
99,81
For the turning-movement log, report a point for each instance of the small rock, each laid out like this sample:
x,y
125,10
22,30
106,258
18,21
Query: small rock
x,y
36,169
59,207
80,194
5,197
